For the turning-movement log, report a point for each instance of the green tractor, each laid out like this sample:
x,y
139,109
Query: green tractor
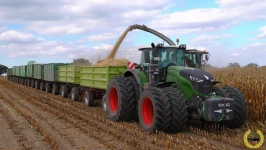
x,y
162,94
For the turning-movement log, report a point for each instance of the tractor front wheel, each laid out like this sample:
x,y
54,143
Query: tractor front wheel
x,y
154,110
240,113
178,108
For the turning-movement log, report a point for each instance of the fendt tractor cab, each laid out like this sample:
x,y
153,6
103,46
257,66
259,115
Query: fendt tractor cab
x,y
196,58
162,93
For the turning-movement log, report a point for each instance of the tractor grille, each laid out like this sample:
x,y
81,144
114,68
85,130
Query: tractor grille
x,y
204,87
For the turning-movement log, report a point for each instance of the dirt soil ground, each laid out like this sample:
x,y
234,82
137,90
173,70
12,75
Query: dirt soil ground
x,y
33,119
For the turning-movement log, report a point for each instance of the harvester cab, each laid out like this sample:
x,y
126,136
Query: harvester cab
x,y
196,58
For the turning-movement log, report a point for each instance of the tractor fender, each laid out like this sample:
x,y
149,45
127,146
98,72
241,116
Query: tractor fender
x,y
139,75
164,84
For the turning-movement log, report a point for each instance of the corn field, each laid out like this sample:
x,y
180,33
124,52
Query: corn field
x,y
251,81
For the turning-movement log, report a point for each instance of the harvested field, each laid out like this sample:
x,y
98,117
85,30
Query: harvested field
x,y
33,119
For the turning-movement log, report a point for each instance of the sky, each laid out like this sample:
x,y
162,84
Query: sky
x,y
59,31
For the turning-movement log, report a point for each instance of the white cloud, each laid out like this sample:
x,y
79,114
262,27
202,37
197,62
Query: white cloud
x,y
210,19
12,36
263,34
234,54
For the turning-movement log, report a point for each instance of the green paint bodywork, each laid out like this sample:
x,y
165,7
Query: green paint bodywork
x,y
183,84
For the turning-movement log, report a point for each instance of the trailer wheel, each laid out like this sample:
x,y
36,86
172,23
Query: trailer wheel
x,y
178,108
240,110
55,89
89,98
154,110
75,94
42,86
104,103
37,84
48,87
64,91
120,99
32,83
28,82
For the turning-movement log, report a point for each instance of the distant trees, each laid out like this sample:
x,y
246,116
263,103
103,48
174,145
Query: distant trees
x,y
252,65
233,65
81,61
3,69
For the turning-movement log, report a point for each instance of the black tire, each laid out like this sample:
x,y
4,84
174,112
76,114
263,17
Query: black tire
x,y
120,102
64,91
75,94
219,91
42,86
48,87
154,110
55,89
136,96
89,98
28,82
32,83
37,84
104,103
241,108
178,108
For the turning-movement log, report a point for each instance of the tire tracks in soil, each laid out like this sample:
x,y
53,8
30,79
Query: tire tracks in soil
x,y
132,135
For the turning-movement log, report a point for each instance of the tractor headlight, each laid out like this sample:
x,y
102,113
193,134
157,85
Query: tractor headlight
x,y
195,79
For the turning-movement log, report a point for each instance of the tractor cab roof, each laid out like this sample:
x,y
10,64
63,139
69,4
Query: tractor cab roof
x,y
196,51
149,47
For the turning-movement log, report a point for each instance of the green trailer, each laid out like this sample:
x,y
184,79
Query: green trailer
x,y
69,74
51,71
15,71
22,71
30,69
38,71
98,77
9,72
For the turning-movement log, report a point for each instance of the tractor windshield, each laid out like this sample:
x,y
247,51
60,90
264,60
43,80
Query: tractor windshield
x,y
167,55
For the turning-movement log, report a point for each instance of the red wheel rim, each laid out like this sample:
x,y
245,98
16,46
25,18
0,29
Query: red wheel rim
x,y
147,111
113,100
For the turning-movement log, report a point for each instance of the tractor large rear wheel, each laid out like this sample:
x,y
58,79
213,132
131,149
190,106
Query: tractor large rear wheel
x,y
135,85
154,110
219,91
178,108
240,113
120,100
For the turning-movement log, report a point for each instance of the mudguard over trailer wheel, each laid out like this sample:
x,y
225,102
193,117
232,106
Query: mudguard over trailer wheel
x,y
75,94
48,87
178,109
240,113
154,110
120,100
55,89
89,98
42,86
64,91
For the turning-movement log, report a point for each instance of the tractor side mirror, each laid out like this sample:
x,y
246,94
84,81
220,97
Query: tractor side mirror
x,y
206,57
